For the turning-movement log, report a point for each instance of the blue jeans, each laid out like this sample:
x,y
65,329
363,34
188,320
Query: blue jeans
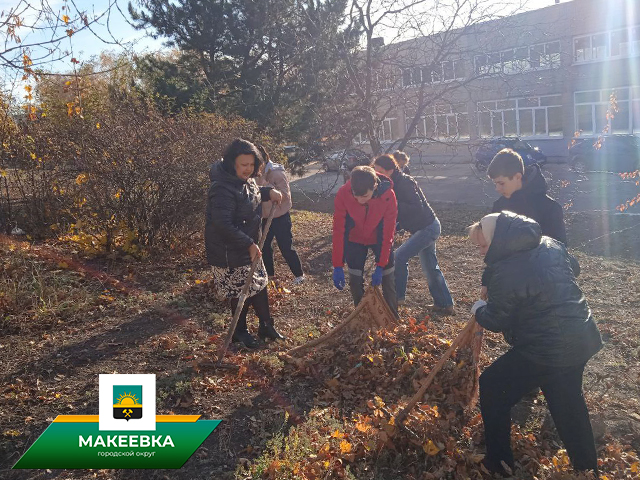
x,y
423,244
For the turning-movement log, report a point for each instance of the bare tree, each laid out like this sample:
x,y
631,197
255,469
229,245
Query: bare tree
x,y
428,67
35,35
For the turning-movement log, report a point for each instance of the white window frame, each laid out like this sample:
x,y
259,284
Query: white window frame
x,y
633,46
383,81
605,93
520,107
453,112
360,139
387,122
432,81
547,60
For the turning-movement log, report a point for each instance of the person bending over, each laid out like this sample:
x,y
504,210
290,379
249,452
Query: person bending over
x,y
364,219
416,216
534,300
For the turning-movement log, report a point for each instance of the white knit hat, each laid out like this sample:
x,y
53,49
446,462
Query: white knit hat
x,y
488,224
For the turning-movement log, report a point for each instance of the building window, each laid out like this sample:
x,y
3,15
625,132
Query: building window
x,y
383,80
635,109
518,60
447,68
407,77
442,122
521,117
551,57
388,130
582,49
591,109
613,44
458,69
599,46
417,76
620,43
442,72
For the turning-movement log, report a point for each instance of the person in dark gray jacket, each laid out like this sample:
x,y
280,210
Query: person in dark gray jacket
x,y
534,300
234,216
416,216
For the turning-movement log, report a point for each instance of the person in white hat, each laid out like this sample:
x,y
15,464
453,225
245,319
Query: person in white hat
x,y
534,300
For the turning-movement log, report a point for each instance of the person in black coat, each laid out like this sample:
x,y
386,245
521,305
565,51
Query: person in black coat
x,y
524,191
416,216
534,300
402,159
232,229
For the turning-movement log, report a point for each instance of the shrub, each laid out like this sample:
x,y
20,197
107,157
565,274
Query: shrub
x,y
105,169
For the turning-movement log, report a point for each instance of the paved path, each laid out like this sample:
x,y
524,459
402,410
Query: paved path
x,y
462,183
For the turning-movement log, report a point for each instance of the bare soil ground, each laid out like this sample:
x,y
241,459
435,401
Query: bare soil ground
x,y
65,319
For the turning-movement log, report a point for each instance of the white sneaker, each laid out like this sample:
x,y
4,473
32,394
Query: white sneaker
x,y
298,280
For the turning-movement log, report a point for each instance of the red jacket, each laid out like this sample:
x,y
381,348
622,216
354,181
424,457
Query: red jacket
x,y
369,224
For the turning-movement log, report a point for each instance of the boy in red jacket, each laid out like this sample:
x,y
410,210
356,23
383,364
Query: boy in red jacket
x,y
365,218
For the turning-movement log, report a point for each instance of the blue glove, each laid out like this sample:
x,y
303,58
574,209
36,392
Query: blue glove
x,y
376,277
338,277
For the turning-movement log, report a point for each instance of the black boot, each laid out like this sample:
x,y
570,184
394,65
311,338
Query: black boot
x,y
496,468
268,331
245,338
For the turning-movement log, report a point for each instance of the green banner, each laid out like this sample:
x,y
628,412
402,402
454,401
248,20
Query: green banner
x,y
66,444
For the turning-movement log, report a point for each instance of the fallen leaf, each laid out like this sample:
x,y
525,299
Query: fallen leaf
x,y
430,448
333,383
345,447
363,427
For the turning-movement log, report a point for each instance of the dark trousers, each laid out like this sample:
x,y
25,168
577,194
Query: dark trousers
x,y
260,303
511,377
281,231
356,256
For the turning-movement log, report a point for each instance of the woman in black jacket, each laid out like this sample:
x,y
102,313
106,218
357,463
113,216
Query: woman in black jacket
x,y
234,214
533,299
416,216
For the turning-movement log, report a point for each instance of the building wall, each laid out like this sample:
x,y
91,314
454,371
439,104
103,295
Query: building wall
x,y
580,81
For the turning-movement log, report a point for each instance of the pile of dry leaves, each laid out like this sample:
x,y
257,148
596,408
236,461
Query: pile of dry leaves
x,y
370,376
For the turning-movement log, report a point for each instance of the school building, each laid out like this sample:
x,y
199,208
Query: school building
x,y
540,75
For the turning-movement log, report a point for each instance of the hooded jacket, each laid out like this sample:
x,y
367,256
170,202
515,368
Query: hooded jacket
x,y
414,212
533,297
532,201
233,218
371,224
275,176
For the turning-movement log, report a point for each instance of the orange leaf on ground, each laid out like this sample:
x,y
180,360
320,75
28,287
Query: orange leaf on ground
x,y
345,447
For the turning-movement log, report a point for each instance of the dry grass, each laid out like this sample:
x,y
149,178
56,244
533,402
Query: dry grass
x,y
63,325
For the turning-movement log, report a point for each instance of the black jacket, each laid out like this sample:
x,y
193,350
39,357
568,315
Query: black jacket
x,y
532,201
234,214
414,212
533,296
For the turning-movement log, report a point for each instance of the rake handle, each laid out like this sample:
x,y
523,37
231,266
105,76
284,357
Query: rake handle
x,y
245,288
462,336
